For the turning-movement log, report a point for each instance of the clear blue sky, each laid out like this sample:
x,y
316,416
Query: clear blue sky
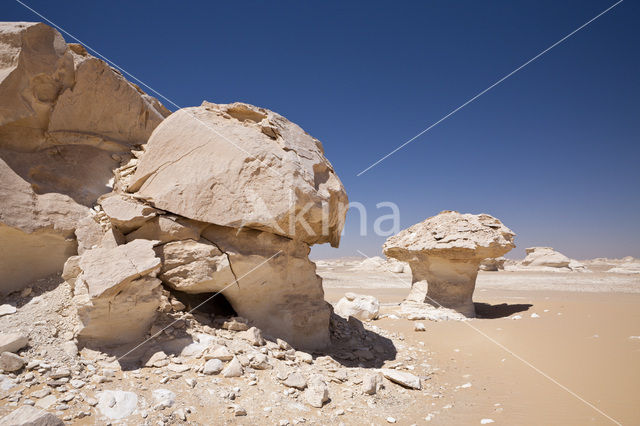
x,y
554,151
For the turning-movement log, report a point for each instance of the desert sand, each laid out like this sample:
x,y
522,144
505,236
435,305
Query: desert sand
x,y
582,339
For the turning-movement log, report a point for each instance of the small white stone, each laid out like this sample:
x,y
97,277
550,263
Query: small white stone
x,y
213,366
7,310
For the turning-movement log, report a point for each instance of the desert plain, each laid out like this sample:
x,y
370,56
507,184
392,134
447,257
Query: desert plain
x,y
583,335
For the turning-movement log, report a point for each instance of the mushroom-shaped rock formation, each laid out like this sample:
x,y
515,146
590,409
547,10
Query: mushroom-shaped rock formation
x,y
445,252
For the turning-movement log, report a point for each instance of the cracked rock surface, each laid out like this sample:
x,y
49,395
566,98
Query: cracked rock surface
x,y
238,165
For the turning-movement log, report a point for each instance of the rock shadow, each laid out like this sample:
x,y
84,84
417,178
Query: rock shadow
x,y
168,335
39,289
78,171
352,345
502,310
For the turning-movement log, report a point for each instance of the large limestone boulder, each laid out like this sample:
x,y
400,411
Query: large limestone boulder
x,y
238,166
67,121
115,292
360,306
35,67
64,114
36,231
266,278
125,115
544,259
445,252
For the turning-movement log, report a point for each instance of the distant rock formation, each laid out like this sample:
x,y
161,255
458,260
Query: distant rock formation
x,y
445,252
631,266
377,263
67,121
546,259
492,264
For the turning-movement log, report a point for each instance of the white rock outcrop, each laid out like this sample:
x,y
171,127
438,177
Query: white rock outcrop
x,y
378,264
445,252
544,259
36,231
238,235
360,306
215,198
67,119
115,292
266,277
274,284
626,268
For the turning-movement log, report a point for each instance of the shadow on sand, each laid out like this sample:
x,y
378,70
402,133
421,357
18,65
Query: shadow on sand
x,y
351,344
488,311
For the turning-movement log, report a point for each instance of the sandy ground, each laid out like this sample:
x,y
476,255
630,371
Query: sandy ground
x,y
580,343
579,340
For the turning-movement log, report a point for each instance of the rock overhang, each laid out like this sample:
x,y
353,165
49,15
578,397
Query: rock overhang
x,y
452,235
